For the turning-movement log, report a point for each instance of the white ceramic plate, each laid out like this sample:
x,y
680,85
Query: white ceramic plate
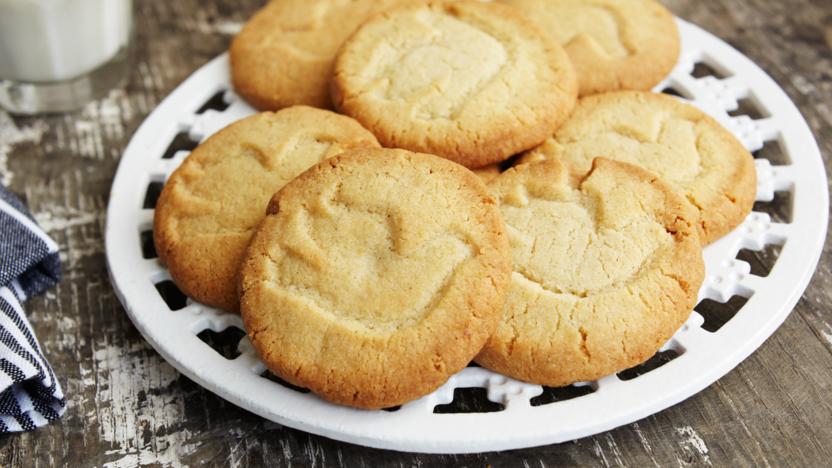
x,y
526,419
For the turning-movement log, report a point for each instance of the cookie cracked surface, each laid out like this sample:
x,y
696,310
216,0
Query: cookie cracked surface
x,y
605,270
376,276
469,81
684,146
212,203
614,44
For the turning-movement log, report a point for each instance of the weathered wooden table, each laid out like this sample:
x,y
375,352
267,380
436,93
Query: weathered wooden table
x,y
128,407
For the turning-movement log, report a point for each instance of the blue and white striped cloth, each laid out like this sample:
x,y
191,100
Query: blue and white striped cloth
x,y
30,395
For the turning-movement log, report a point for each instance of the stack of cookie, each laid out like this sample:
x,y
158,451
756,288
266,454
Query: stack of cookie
x,y
368,257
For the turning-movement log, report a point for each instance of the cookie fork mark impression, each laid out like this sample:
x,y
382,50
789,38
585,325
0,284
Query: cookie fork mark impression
x,y
379,249
606,269
376,276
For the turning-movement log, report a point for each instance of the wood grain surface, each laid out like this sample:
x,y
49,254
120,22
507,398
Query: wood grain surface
x,y
128,407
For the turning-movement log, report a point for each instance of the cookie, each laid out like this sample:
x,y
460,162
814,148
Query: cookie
x,y
472,82
376,276
683,145
606,269
283,55
614,44
211,204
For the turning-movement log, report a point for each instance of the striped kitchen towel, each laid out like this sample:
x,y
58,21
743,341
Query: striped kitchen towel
x,y
30,395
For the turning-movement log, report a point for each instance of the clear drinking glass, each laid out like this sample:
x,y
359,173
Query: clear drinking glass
x,y
57,55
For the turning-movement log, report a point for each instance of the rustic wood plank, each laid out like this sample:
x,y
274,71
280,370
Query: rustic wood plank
x,y
128,407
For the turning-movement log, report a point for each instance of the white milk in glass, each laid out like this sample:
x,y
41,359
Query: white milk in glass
x,y
53,41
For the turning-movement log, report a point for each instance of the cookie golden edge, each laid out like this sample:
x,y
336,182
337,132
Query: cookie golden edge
x,y
215,285
717,220
687,271
424,375
503,141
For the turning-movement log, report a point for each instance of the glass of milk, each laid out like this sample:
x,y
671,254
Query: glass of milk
x,y
57,55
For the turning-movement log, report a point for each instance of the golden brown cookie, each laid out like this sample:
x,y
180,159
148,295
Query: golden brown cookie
x,y
211,204
376,276
472,82
614,44
683,145
606,269
284,54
